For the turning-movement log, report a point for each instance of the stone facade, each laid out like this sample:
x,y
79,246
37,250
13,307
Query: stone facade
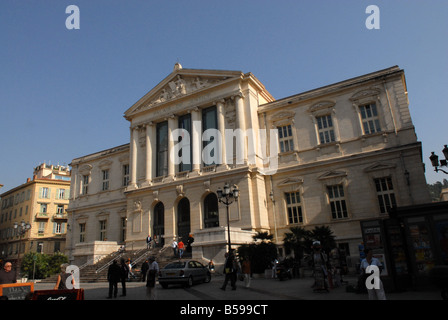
x,y
346,153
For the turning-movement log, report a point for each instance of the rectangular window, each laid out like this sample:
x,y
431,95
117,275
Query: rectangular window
x,y
125,175
82,232
57,228
43,208
385,193
209,121
370,119
103,225
60,209
41,228
44,193
337,202
285,138
123,230
162,149
185,123
325,129
294,207
85,184
105,176
61,194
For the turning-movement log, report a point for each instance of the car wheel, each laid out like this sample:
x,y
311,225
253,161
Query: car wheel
x,y
208,278
190,282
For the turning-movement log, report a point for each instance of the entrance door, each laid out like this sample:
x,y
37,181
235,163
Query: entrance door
x,y
159,224
183,219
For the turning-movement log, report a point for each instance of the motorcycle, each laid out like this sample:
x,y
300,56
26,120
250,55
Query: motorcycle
x,y
283,272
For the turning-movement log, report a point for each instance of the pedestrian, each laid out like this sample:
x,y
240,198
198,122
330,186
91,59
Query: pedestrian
x,y
229,271
245,268
180,248
148,242
153,271
211,266
174,246
7,275
145,267
61,282
274,264
190,240
113,276
124,276
374,294
320,268
336,267
130,273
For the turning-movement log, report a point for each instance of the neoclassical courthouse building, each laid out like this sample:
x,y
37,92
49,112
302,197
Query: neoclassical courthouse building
x,y
332,156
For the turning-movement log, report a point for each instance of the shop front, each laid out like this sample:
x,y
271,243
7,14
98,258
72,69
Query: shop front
x,y
409,243
426,237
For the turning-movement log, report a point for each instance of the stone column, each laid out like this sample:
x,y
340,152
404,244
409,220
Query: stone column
x,y
196,140
221,115
241,123
149,152
172,125
133,160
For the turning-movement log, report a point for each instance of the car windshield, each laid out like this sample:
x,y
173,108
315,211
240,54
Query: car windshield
x,y
175,265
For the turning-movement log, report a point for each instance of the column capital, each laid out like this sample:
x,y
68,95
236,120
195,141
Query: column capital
x,y
220,101
237,95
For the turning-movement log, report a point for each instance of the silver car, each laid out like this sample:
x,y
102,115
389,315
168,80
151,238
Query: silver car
x,y
184,272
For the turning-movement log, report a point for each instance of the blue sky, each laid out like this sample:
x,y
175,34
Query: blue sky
x,y
63,92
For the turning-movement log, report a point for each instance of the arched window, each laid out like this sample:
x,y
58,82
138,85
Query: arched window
x,y
183,219
211,214
159,223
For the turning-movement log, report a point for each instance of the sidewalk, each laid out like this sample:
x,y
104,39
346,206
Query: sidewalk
x,y
260,289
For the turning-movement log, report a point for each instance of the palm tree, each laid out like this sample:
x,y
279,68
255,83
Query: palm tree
x,y
296,240
325,236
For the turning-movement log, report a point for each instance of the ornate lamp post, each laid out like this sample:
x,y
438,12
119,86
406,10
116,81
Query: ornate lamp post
x,y
227,196
21,230
435,160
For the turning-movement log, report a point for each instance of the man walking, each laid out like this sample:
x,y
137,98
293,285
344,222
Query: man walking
x,y
230,271
151,282
113,276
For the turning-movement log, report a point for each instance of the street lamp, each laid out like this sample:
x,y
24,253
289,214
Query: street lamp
x,y
271,196
227,196
435,160
24,227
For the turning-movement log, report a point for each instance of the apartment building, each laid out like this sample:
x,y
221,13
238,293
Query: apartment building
x,y
33,216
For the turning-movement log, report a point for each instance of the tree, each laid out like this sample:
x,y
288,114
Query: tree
x,y
436,189
295,241
42,265
261,252
325,236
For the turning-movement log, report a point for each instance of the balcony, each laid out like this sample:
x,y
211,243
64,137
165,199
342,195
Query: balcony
x,y
60,216
42,215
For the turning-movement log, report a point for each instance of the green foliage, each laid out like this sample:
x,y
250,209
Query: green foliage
x,y
300,240
42,265
296,241
260,253
436,189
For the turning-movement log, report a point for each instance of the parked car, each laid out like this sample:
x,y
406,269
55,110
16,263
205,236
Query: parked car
x,y
184,272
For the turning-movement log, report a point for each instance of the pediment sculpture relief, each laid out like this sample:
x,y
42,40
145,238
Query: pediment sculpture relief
x,y
180,86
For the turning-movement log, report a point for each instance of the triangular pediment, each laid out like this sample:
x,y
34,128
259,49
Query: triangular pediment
x,y
380,166
289,181
179,84
332,174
